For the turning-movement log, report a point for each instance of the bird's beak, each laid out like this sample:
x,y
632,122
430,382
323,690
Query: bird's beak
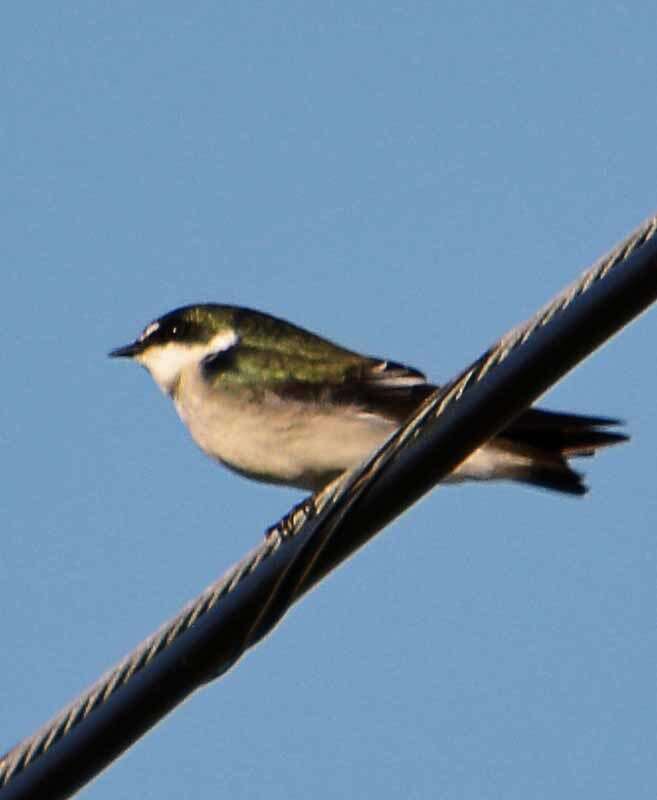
x,y
129,351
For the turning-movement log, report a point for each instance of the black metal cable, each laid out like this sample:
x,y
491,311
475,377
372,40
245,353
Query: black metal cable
x,y
212,632
547,355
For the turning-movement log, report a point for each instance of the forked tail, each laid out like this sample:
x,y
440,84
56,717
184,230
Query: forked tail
x,y
545,440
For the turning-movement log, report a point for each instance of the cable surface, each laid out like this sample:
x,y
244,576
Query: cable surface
x,y
254,594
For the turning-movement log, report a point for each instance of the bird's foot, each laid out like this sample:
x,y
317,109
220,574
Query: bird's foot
x,y
290,523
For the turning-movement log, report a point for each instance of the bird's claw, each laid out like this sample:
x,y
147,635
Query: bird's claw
x,y
289,524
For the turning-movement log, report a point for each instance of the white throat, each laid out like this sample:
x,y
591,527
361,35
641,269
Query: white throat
x,y
166,362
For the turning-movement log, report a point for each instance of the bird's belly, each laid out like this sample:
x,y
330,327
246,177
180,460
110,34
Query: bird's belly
x,y
281,442
300,444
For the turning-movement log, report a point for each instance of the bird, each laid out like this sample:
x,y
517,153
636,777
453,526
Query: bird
x,y
279,404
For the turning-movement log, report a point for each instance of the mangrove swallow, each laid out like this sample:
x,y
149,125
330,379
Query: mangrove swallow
x,y
280,404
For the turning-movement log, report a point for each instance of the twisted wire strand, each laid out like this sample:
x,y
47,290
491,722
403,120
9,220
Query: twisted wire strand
x,y
335,501
24,753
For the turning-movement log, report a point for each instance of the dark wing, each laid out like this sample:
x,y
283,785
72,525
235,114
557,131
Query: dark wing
x,y
384,387
331,375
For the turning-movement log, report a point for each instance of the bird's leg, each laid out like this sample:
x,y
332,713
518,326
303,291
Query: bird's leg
x,y
309,507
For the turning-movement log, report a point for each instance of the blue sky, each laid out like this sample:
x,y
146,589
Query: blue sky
x,y
409,181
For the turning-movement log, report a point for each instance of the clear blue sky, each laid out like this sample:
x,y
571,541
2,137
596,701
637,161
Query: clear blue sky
x,y
410,180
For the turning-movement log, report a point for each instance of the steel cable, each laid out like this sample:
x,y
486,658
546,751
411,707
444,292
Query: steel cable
x,y
320,533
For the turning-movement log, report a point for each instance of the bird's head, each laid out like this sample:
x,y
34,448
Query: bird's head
x,y
179,339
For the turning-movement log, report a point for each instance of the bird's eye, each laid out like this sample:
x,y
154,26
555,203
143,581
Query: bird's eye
x,y
174,330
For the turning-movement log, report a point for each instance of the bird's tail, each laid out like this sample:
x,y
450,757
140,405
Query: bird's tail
x,y
541,442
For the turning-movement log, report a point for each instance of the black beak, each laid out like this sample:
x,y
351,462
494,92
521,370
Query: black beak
x,y
129,351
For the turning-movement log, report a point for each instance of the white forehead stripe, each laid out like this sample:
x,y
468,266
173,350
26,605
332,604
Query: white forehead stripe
x,y
148,330
165,362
